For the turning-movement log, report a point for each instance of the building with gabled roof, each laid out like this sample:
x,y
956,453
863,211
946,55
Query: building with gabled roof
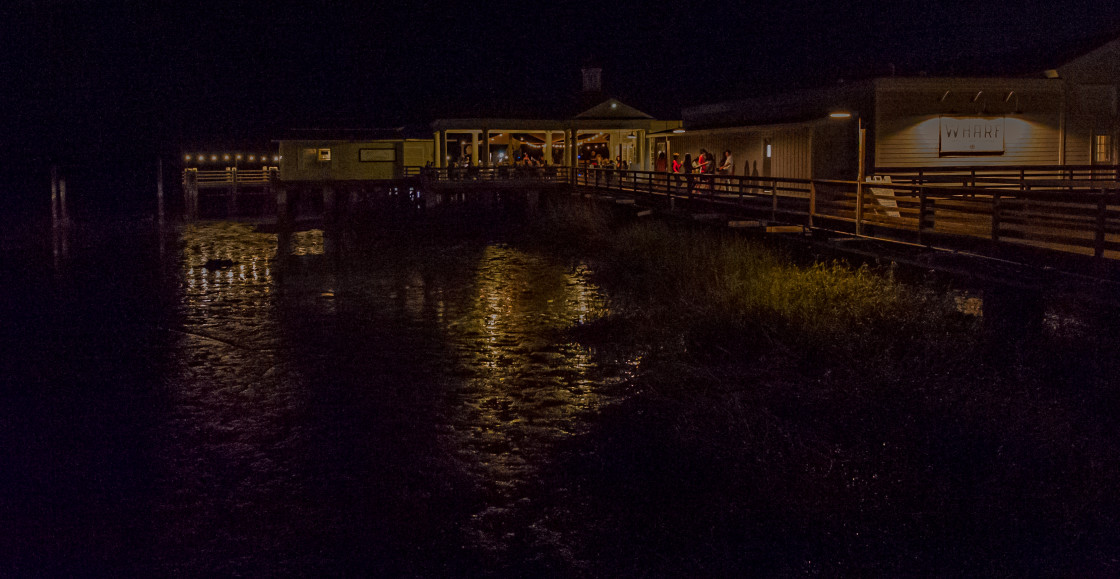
x,y
1062,116
609,129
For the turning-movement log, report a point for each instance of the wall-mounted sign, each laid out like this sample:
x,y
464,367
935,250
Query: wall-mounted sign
x,y
324,155
373,155
964,135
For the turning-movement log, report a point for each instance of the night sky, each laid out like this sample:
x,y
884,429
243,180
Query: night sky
x,y
86,81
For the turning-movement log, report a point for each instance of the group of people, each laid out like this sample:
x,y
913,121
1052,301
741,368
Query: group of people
x,y
606,163
704,165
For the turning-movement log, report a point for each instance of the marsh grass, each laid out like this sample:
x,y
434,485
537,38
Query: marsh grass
x,y
796,417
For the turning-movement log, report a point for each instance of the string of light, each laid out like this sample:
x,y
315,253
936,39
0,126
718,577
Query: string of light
x,y
225,157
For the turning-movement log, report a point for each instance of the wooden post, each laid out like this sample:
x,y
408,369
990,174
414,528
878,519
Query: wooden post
x,y
812,200
921,216
1102,208
159,190
190,193
859,178
773,200
54,196
328,203
283,225
62,202
186,179
995,216
56,229
233,191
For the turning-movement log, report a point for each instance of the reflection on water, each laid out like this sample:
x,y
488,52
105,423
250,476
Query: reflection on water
x,y
316,412
522,388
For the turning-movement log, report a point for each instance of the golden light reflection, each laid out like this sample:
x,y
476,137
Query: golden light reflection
x,y
526,387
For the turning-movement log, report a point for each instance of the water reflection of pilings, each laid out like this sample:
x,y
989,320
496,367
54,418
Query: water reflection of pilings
x,y
60,219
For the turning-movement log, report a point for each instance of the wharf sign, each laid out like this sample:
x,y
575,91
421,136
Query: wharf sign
x,y
964,135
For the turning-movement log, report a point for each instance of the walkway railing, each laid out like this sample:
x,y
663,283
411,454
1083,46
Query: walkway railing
x,y
499,174
1080,216
225,177
1022,177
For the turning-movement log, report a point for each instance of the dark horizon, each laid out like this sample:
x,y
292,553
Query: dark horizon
x,y
100,84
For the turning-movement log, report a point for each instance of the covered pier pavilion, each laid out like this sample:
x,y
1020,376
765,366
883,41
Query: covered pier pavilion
x,y
611,129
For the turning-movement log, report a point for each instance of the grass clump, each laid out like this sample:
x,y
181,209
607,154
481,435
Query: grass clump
x,y
802,417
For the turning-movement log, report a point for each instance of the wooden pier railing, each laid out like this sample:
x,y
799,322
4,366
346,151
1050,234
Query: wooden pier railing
x,y
1079,215
1024,177
226,177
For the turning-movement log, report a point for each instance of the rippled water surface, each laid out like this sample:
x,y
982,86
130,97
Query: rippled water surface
x,y
363,413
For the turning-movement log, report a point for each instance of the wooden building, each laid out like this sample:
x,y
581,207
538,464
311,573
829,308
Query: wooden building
x,y
610,129
1065,115
351,155
603,127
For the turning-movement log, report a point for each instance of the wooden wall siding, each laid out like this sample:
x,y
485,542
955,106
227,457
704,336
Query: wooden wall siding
x,y
913,141
793,153
1093,110
1079,144
745,146
792,149
907,126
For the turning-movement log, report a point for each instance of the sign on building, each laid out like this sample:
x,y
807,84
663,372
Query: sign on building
x,y
964,135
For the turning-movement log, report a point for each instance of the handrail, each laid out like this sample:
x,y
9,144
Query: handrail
x,y
1080,218
230,176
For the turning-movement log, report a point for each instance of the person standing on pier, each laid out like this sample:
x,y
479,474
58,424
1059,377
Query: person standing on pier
x,y
688,172
677,168
726,169
705,165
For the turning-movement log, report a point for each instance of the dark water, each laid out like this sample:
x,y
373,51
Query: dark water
x,y
377,414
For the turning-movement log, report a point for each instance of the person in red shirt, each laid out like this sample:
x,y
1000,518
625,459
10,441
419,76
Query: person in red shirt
x,y
677,169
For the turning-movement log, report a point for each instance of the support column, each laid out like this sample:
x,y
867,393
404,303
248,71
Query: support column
x,y
54,196
328,203
474,148
437,139
159,191
643,152
283,225
485,153
233,192
62,201
548,147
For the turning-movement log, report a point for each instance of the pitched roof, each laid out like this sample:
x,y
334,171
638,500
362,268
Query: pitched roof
x,y
612,109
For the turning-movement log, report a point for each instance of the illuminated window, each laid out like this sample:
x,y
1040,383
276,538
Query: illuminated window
x,y
1102,149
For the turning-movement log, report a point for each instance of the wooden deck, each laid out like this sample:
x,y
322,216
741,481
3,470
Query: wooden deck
x,y
1080,217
